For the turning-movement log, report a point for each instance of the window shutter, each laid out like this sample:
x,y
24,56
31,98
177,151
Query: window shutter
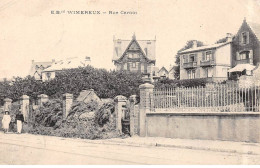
x,y
247,36
212,54
251,56
237,56
139,66
198,73
241,38
128,66
203,55
195,58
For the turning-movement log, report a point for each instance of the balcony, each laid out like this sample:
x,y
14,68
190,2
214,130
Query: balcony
x,y
244,61
207,63
190,65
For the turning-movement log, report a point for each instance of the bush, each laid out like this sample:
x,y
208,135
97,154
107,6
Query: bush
x,y
168,83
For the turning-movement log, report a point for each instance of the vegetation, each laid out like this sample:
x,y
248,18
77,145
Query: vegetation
x,y
167,83
107,84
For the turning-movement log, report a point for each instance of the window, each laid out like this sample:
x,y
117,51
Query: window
x,y
243,55
130,55
245,37
48,74
191,74
133,65
208,56
192,58
185,58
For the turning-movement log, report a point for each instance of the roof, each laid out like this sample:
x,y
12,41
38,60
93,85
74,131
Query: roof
x,y
172,68
204,47
163,68
69,63
84,94
120,47
242,67
255,27
37,67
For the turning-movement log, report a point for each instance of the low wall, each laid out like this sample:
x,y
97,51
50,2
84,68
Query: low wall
x,y
231,126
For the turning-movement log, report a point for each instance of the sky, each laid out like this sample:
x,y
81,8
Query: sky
x,y
28,30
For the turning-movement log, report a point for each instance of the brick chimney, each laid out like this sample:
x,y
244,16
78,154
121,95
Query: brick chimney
x,y
195,44
229,37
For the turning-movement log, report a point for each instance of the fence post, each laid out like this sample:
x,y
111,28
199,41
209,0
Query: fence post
x,y
120,101
67,100
24,101
7,104
133,115
42,98
146,101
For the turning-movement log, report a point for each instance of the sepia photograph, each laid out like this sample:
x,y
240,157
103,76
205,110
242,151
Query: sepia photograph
x,y
141,82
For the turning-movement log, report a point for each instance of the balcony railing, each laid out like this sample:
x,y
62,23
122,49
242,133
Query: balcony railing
x,y
190,65
207,63
244,61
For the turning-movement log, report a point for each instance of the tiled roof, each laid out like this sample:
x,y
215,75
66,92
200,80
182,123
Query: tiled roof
x,y
255,27
120,47
67,64
204,47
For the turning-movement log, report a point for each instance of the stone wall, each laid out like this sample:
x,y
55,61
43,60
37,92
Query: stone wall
x,y
209,126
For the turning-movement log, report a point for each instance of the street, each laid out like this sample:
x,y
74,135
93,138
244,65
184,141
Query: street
x,y
37,149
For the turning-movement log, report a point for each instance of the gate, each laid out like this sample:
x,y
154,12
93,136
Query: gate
x,y
125,120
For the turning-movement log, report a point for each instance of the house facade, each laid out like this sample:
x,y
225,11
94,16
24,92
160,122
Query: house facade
x,y
37,68
211,62
245,49
163,73
134,55
69,63
172,72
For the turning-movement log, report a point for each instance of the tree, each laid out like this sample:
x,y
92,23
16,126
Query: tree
x,y
188,45
222,40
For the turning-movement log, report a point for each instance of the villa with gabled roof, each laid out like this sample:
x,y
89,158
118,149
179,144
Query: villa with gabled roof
x,y
134,55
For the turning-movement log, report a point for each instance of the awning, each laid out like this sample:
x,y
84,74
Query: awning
x,y
242,67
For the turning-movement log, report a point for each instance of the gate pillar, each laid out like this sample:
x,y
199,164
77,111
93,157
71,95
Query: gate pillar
x,y
120,101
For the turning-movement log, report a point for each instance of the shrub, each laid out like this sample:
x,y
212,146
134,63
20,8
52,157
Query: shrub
x,y
168,83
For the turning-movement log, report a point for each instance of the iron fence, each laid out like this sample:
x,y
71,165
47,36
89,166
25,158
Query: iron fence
x,y
212,98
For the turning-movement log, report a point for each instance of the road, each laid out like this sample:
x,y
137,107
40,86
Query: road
x,y
36,149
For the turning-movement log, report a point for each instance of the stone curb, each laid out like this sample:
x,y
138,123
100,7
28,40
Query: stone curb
x,y
113,142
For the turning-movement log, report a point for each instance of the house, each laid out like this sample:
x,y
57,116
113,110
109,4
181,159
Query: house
x,y
70,63
37,68
245,49
163,73
172,72
134,55
211,62
88,96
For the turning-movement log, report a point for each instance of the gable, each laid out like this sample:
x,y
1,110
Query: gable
x,y
146,47
135,48
252,28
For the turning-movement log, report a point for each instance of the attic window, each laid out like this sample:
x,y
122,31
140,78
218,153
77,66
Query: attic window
x,y
245,37
149,42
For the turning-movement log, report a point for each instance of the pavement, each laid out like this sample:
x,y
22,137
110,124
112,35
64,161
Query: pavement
x,y
195,144
39,149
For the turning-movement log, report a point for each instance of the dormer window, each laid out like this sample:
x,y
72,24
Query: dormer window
x,y
245,38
